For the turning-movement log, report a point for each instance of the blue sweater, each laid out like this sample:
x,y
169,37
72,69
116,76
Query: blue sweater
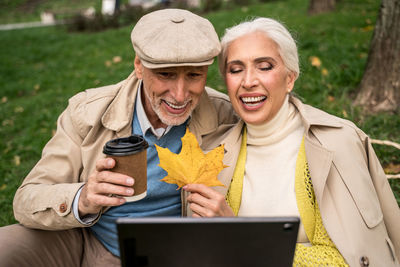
x,y
162,199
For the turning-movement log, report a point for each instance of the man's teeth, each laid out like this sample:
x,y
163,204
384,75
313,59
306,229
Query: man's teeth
x,y
253,99
175,106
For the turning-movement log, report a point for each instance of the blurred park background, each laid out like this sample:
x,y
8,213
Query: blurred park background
x,y
42,67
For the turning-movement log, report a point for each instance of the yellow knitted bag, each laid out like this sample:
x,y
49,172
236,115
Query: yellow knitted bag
x,y
322,251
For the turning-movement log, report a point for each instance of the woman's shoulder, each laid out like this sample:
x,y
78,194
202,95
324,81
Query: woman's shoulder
x,y
323,123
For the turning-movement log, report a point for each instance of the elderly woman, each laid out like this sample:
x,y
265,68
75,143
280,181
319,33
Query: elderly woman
x,y
287,158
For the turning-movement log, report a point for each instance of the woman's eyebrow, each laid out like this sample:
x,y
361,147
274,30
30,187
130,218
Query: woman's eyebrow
x,y
262,59
234,62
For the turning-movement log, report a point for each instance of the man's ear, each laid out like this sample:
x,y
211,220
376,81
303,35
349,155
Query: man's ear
x,y
138,67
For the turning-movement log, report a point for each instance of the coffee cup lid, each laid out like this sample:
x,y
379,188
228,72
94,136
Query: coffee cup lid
x,y
125,146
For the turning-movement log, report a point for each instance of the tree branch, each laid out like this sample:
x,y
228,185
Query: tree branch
x,y
393,176
388,143
385,142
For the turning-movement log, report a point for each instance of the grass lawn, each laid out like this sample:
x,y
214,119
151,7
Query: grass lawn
x,y
42,67
15,11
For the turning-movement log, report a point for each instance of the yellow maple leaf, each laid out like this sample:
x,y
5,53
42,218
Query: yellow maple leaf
x,y
191,165
315,61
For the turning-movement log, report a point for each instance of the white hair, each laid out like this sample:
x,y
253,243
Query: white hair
x,y
273,30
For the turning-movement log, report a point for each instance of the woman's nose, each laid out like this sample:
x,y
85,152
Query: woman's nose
x,y
249,80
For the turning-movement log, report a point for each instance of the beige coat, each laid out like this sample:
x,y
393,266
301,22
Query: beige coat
x,y
92,118
357,205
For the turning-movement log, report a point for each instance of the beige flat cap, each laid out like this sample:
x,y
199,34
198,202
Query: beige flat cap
x,y
174,37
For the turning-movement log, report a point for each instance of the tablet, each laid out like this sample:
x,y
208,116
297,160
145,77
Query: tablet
x,y
203,242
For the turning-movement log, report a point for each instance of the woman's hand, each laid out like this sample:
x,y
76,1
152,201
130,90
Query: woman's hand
x,y
206,202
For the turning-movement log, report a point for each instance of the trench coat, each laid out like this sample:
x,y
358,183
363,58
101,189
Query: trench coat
x,y
357,205
93,117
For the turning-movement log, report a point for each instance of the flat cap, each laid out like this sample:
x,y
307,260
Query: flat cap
x,y
174,37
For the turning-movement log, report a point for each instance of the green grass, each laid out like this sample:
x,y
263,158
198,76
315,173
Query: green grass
x,y
42,67
15,11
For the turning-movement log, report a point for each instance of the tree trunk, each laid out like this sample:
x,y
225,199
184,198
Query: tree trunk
x,y
321,6
380,86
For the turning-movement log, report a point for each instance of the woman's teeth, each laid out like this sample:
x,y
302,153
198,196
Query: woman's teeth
x,y
253,100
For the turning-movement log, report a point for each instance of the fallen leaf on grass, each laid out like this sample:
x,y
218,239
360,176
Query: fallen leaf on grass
x,y
331,98
17,160
2,187
117,59
392,168
191,165
7,123
362,55
8,147
315,61
19,109
367,28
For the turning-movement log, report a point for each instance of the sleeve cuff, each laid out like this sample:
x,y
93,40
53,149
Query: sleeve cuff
x,y
86,220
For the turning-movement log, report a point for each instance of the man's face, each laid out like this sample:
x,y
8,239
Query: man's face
x,y
170,94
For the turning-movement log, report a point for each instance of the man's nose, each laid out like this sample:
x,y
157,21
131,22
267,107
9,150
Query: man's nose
x,y
250,79
180,92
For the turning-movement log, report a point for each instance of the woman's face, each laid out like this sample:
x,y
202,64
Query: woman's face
x,y
256,77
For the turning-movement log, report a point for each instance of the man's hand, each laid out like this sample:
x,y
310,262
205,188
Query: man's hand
x,y
104,188
206,202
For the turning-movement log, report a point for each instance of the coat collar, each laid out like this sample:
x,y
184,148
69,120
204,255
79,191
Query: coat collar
x,y
119,114
312,116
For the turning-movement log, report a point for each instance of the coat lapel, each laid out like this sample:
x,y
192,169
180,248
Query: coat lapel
x,y
319,161
319,158
232,148
118,116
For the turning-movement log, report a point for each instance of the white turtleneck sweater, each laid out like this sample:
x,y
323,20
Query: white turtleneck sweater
x,y
268,183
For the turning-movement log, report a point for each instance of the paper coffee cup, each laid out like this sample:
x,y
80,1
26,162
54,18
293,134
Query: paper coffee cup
x,y
130,155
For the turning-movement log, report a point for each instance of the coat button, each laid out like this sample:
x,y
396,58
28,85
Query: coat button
x,y
364,261
63,207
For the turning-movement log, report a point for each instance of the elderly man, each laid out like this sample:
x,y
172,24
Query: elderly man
x,y
72,191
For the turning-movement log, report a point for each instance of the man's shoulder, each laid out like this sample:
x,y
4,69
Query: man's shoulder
x,y
220,105
95,96
219,101
87,107
216,95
